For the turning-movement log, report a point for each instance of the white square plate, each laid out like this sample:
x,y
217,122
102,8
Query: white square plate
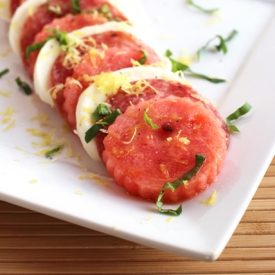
x,y
62,189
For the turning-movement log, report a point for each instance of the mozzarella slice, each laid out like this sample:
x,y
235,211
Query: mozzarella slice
x,y
51,51
92,97
18,21
5,11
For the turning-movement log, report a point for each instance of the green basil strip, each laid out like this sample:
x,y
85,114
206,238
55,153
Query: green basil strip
x,y
178,66
34,47
50,153
108,120
202,76
61,36
149,121
238,113
24,86
191,2
143,60
177,183
101,110
4,72
105,10
221,46
76,6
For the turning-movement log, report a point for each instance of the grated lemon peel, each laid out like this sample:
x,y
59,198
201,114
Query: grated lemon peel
x,y
211,200
8,119
97,178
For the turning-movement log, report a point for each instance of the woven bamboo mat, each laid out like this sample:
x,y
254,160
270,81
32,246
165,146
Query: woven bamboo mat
x,y
32,243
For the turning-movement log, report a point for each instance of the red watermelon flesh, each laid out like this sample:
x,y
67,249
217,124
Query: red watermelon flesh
x,y
158,88
43,16
142,159
122,49
14,4
67,23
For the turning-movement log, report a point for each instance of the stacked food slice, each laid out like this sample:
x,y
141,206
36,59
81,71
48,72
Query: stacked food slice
x,y
118,94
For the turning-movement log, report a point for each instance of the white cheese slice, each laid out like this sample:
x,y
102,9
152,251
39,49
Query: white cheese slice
x,y
18,21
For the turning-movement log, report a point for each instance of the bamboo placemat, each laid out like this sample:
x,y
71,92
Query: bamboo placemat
x,y
32,243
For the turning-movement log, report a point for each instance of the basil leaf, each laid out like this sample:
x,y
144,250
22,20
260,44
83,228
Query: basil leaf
x,y
221,46
76,6
50,153
199,160
238,113
4,72
34,47
108,120
61,36
178,66
105,10
24,86
191,2
149,121
143,60
101,110
202,76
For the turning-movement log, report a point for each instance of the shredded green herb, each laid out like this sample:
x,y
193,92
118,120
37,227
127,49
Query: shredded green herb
x,y
221,46
4,72
61,36
110,117
105,10
24,86
178,66
199,160
211,11
101,110
149,121
76,6
202,76
143,59
238,113
35,47
54,151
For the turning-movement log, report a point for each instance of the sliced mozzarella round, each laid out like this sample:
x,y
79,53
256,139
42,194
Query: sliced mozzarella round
x,y
5,10
92,97
51,51
18,21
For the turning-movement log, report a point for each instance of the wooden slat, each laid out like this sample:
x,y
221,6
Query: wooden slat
x,y
109,242
268,182
120,267
270,171
11,208
259,205
27,218
252,241
265,193
35,230
255,229
94,242
111,255
259,216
